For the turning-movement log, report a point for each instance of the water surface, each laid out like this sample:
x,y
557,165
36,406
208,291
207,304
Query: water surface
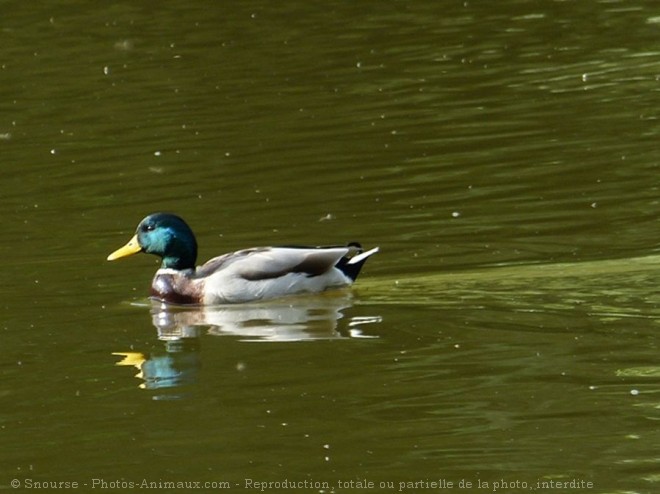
x,y
503,155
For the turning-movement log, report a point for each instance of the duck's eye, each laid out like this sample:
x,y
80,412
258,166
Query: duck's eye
x,y
148,228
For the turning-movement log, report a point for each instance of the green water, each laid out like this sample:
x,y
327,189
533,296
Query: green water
x,y
504,157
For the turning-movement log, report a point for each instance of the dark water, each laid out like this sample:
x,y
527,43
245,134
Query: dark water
x,y
504,157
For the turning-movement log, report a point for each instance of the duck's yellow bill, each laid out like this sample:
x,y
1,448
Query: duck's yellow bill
x,y
132,247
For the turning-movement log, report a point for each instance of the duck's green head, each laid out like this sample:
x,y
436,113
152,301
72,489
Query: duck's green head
x,y
164,235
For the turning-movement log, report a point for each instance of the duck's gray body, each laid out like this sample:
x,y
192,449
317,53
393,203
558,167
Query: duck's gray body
x,y
260,274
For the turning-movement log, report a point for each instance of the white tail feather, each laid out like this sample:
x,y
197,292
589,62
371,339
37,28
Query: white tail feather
x,y
364,255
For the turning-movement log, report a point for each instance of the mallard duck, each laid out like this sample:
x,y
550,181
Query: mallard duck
x,y
259,273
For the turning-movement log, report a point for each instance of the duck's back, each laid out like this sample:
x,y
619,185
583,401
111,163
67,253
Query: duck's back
x,y
269,272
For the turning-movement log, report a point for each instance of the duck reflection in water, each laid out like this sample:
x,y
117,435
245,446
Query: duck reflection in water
x,y
177,364
181,328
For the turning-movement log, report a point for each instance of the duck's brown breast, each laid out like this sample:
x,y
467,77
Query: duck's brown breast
x,y
176,288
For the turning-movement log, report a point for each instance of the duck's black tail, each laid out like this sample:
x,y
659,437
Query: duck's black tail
x,y
352,263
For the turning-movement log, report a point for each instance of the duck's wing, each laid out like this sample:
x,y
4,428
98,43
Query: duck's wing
x,y
273,262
